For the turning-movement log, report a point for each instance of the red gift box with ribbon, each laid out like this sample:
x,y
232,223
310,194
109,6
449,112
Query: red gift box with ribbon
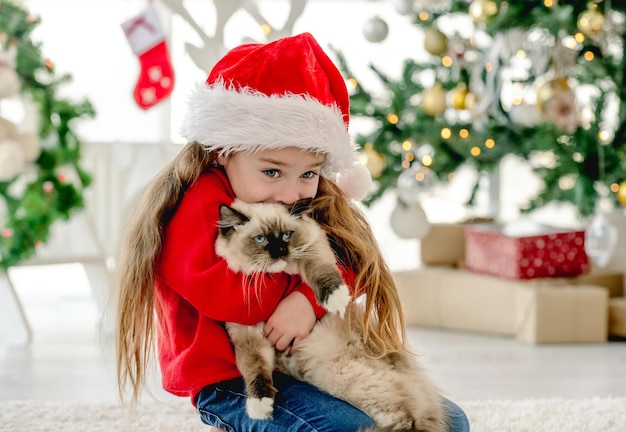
x,y
525,250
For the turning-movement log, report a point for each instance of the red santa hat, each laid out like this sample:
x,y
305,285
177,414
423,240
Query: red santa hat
x,y
286,93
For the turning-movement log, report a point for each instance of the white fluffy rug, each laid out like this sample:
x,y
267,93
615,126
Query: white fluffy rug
x,y
538,415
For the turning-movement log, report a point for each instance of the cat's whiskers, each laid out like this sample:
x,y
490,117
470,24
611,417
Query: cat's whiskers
x,y
256,264
246,290
259,286
254,284
301,251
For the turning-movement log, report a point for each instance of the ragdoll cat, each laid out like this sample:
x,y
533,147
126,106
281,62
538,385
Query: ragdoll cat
x,y
269,238
393,390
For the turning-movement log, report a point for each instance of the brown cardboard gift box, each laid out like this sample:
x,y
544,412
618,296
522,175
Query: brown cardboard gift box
x,y
611,280
456,299
443,245
548,314
533,311
617,316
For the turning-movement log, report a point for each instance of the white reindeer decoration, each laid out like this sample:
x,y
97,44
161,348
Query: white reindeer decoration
x,y
213,46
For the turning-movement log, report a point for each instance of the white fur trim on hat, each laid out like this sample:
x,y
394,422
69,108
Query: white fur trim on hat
x,y
230,120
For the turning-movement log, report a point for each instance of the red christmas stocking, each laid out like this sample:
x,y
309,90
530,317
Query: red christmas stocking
x,y
146,39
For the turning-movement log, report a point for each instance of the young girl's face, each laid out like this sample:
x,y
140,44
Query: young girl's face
x,y
276,176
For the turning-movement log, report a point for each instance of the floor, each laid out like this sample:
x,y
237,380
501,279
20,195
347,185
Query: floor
x,y
70,358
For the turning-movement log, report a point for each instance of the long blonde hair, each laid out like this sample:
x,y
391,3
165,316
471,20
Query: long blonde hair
x,y
347,227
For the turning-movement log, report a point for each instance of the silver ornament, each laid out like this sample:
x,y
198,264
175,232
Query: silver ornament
x,y
403,7
375,29
409,221
600,239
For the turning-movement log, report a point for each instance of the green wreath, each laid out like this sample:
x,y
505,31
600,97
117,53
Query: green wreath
x,y
51,187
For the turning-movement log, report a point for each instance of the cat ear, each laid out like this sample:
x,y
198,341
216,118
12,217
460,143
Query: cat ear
x,y
230,218
300,207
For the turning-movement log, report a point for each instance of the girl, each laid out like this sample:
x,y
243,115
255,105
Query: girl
x,y
269,125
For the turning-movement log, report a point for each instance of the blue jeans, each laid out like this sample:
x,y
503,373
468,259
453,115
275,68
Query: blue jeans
x,y
299,407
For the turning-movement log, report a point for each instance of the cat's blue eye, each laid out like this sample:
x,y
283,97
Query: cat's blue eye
x,y
273,173
260,239
287,235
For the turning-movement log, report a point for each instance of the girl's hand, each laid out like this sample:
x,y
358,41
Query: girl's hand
x,y
292,321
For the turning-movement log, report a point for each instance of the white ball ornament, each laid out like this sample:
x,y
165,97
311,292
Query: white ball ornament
x,y
375,29
403,7
409,220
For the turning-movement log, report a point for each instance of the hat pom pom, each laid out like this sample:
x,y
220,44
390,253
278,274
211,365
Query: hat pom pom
x,y
356,181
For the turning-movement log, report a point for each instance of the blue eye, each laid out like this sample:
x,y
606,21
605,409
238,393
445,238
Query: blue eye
x,y
287,235
273,173
309,175
260,239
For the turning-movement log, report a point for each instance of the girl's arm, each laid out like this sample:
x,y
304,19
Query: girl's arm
x,y
296,314
292,321
189,265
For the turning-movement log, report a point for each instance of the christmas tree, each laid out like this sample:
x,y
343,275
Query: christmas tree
x,y
41,179
543,80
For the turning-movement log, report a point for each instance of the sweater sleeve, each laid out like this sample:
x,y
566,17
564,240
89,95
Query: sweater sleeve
x,y
348,277
189,265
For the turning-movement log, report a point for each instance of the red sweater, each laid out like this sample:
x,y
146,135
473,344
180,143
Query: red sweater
x,y
196,293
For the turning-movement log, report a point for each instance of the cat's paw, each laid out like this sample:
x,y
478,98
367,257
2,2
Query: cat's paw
x,y
338,301
260,409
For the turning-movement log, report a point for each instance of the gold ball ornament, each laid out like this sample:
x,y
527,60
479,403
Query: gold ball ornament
x,y
548,90
435,42
434,100
462,98
621,193
482,10
591,22
471,100
373,161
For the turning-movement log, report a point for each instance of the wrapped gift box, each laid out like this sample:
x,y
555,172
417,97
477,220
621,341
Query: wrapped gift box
x,y
562,314
457,299
612,280
443,245
525,250
617,316
533,311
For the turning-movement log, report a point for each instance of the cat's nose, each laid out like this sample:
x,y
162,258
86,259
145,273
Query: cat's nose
x,y
279,252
